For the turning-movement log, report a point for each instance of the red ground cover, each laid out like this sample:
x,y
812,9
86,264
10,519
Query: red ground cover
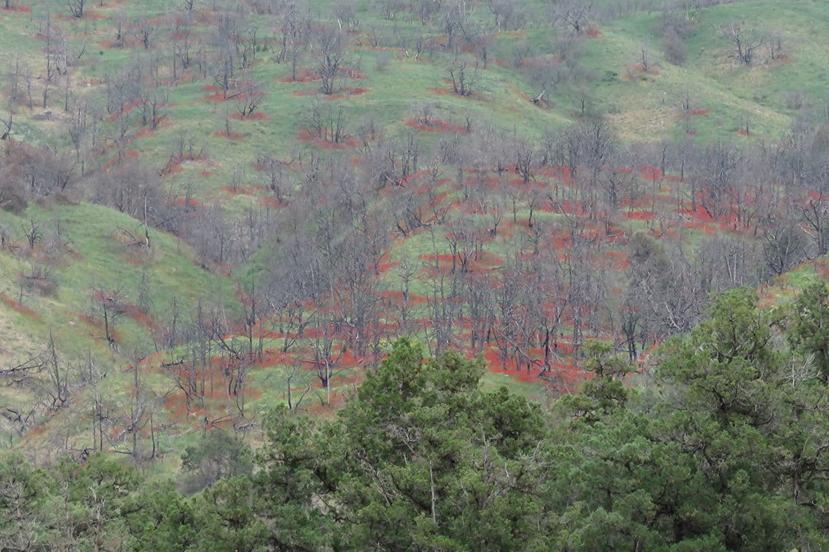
x,y
235,136
649,172
640,215
18,307
255,116
306,136
184,202
126,109
18,9
302,75
436,125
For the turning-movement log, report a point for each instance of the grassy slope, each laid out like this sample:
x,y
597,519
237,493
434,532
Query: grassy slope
x,y
641,107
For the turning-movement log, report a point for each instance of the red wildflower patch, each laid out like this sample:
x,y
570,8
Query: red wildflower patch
x,y
593,32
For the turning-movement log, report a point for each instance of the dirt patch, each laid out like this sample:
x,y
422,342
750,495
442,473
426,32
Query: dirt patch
x,y
187,202
341,93
144,132
353,73
396,297
308,137
18,307
617,260
303,75
242,190
436,125
532,369
570,207
174,164
210,408
88,15
699,214
99,332
17,9
640,215
559,172
256,116
126,109
347,92
216,97
271,202
234,136
137,314
649,172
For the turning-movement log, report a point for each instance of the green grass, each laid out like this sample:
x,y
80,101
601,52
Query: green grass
x,y
639,107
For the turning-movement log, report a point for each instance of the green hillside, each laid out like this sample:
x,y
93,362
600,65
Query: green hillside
x,y
212,211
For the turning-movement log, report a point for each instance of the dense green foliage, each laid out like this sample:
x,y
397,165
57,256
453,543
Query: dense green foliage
x,y
724,448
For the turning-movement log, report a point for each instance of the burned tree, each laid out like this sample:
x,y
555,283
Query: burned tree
x,y
331,51
745,42
463,77
76,7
